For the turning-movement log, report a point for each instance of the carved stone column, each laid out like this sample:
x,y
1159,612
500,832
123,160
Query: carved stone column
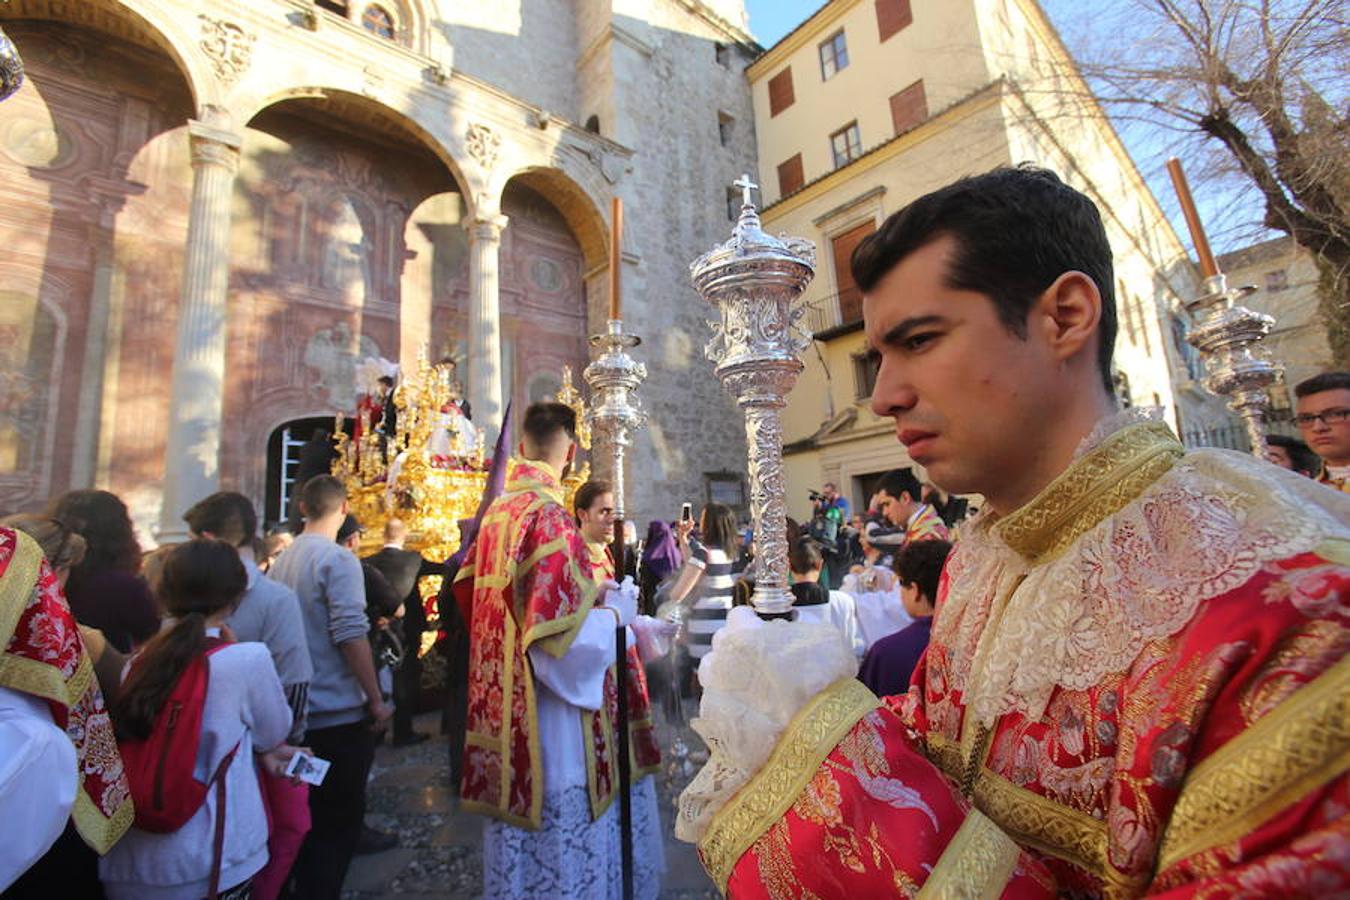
x,y
485,333
88,419
192,457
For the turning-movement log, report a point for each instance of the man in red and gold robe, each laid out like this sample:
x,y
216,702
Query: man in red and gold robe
x,y
541,655
1136,682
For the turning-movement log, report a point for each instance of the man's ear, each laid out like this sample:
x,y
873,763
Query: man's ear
x,y
520,449
571,451
1069,313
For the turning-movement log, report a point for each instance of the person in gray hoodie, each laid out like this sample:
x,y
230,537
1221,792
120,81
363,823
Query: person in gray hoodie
x,y
345,706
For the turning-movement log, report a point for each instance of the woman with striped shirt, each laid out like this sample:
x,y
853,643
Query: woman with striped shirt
x,y
707,575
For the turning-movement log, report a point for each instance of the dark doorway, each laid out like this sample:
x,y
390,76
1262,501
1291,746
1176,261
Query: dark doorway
x,y
283,453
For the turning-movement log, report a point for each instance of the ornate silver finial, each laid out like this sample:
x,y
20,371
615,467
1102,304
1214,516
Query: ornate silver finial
x,y
1237,367
615,412
746,186
11,66
754,280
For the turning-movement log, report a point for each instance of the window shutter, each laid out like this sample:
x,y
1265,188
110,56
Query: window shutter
x,y
893,16
909,107
780,92
790,176
850,298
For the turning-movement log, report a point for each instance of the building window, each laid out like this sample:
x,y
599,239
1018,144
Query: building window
x,y
909,107
337,6
722,53
725,126
850,298
865,368
378,21
846,144
790,177
593,124
1277,280
893,16
780,92
734,201
833,55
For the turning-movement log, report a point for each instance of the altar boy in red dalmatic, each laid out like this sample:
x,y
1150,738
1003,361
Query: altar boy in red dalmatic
x,y
540,649
1137,680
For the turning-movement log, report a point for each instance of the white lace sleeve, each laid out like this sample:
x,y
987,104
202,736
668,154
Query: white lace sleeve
x,y
757,677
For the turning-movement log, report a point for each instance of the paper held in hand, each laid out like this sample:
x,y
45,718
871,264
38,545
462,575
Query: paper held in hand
x,y
309,769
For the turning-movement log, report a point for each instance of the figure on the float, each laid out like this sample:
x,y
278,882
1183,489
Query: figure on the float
x,y
454,438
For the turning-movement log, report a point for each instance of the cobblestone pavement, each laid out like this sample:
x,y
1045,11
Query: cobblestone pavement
x,y
439,853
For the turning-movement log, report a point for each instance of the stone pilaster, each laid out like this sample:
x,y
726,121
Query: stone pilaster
x,y
192,457
485,332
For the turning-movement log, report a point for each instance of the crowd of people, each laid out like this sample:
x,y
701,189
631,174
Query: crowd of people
x,y
201,721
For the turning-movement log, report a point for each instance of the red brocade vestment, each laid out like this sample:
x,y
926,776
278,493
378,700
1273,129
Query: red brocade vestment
x,y
533,584
1137,682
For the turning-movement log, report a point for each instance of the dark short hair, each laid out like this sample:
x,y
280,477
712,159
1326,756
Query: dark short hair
x,y
1300,454
805,556
545,421
900,481
322,495
227,515
588,493
385,380
1324,381
920,563
350,525
1016,231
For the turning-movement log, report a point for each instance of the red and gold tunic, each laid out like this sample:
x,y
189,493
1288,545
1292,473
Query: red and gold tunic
x,y
602,771
1139,678
533,584
927,526
44,656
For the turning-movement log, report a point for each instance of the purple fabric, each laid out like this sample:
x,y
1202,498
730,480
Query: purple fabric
x,y
890,662
661,556
468,528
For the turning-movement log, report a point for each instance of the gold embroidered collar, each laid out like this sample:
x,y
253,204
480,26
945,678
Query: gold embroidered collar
x,y
1095,486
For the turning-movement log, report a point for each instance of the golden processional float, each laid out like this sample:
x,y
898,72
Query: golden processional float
x,y
431,471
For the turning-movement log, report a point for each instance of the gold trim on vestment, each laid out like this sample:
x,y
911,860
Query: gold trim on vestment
x,y
977,862
1099,484
1298,747
17,584
764,799
1335,550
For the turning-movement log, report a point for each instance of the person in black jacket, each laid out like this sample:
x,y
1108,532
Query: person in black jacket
x,y
316,458
403,568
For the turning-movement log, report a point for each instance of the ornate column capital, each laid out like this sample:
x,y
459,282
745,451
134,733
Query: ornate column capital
x,y
487,227
213,146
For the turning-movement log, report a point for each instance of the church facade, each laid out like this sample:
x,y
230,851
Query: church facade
x,y
213,211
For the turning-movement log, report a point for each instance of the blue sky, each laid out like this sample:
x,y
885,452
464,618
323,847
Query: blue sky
x,y
1228,218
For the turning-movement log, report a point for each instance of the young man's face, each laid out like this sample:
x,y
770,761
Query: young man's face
x,y
896,510
965,392
597,523
1329,440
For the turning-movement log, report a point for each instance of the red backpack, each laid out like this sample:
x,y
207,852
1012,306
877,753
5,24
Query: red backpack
x,y
164,791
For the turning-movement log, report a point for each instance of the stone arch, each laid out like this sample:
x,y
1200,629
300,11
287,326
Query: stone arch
x,y
577,205
367,114
141,22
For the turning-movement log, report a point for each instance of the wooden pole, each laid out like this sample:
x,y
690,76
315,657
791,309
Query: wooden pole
x,y
1208,267
615,254
623,750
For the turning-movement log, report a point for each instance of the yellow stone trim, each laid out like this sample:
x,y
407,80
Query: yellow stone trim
x,y
977,863
17,584
938,125
1298,747
809,738
777,55
1099,484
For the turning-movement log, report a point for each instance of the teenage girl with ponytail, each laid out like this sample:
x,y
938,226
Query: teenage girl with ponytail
x,y
244,708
